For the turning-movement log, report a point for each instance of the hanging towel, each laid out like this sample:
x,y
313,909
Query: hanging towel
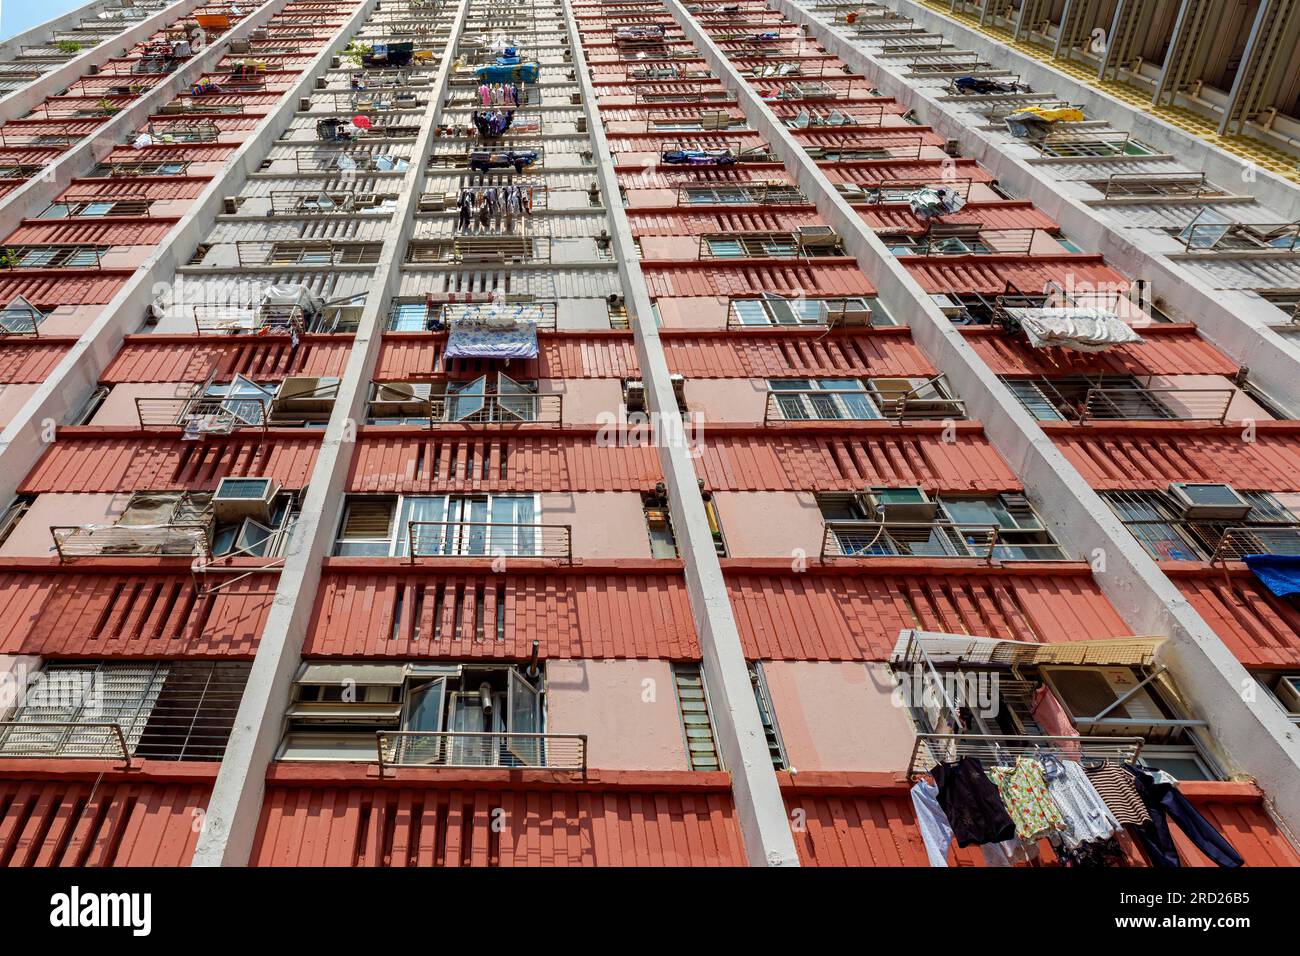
x,y
935,831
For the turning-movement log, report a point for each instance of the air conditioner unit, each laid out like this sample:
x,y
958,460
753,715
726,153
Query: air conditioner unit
x,y
301,398
1288,692
1087,691
401,399
848,312
952,148
1208,501
634,395
907,505
230,205
434,202
239,45
816,237
238,498
679,388
947,304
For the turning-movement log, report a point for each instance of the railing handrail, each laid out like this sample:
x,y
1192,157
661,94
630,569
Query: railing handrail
x,y
382,736
462,534
883,526
1101,392
1129,749
67,725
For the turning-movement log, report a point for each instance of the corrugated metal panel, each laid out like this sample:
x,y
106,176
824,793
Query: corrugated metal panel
x,y
84,463
99,822
879,829
665,177
565,355
1165,350
865,353
615,614
109,615
143,360
360,826
1111,457
854,616
768,462
28,363
741,278
1244,273
991,216
453,463
755,219
931,170
164,187
72,287
1260,629
170,154
990,275
146,232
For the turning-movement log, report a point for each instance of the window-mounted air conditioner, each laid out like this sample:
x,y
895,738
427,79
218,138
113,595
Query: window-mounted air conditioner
x,y
401,399
679,389
634,396
816,237
848,312
1086,692
305,398
948,305
238,498
1288,692
1208,501
908,505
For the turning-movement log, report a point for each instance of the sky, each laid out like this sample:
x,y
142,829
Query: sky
x,y
19,15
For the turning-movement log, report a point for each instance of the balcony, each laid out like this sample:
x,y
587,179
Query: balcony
x,y
1081,400
407,748
942,539
169,540
485,539
805,243
1216,543
878,400
321,253
1002,750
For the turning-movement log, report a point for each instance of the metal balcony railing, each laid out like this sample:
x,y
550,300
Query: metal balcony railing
x,y
408,748
488,539
1156,404
741,194
1169,539
933,539
543,315
203,415
306,252
512,409
63,738
86,541
996,750
897,405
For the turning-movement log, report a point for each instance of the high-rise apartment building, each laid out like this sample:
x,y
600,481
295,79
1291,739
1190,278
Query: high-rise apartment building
x,y
548,432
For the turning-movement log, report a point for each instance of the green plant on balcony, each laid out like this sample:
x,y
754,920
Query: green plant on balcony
x,y
356,52
68,46
8,258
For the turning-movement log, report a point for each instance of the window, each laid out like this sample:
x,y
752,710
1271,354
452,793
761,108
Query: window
x,y
774,309
505,400
20,317
756,245
1020,534
166,710
1159,526
822,399
409,317
438,714
442,526
1109,397
697,722
767,714
659,525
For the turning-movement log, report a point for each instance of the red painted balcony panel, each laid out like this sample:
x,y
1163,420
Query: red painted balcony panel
x,y
561,355
928,170
144,358
856,616
666,177
596,615
767,462
1260,629
989,274
129,614
694,223
28,363
139,187
117,463
879,829
740,279
899,218
781,354
464,463
99,822
170,154
358,826
1165,350
1113,456
69,287
138,232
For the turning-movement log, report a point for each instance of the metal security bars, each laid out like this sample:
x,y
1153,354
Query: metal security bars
x,y
409,748
486,539
994,750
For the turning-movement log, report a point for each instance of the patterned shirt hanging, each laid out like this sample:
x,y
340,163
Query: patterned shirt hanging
x,y
1024,791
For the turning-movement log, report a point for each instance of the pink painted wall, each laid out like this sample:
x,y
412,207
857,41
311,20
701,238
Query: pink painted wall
x,y
727,399
31,536
119,407
670,247
586,399
606,524
627,709
839,716
770,524
644,198
1240,406
695,312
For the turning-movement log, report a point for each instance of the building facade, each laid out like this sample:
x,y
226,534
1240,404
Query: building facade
x,y
459,432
